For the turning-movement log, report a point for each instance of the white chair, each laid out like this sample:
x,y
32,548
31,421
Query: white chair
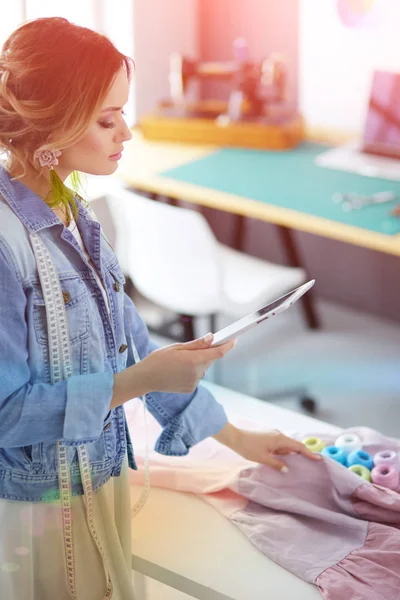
x,y
174,260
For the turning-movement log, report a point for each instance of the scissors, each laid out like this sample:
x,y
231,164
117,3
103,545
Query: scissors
x,y
353,201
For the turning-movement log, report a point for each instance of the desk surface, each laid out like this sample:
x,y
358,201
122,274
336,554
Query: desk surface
x,y
239,181
182,540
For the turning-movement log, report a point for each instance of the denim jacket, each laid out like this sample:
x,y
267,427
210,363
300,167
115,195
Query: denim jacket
x,y
34,413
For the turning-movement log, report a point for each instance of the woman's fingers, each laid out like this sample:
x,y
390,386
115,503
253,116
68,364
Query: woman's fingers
x,y
299,448
276,464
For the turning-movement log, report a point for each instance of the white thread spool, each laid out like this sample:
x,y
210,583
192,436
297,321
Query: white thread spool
x,y
349,442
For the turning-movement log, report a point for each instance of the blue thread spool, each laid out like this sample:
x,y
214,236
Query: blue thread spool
x,y
335,453
360,457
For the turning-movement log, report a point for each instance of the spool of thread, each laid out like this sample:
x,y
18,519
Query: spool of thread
x,y
314,444
387,457
385,475
349,442
362,471
336,453
360,457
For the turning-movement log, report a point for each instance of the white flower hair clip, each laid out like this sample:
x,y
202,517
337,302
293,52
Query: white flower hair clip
x,y
47,158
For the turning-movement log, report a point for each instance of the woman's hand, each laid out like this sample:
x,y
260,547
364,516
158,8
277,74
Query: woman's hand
x,y
178,368
262,447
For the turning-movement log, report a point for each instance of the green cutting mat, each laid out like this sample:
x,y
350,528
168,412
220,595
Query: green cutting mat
x,y
291,180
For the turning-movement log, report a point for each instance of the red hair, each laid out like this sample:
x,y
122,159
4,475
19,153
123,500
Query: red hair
x,y
54,77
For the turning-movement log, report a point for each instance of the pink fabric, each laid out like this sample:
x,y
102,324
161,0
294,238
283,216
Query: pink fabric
x,y
321,521
369,573
210,470
374,503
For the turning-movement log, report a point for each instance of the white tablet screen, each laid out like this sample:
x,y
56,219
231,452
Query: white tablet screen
x,y
263,313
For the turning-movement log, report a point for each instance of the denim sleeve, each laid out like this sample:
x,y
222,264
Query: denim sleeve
x,y
186,418
71,411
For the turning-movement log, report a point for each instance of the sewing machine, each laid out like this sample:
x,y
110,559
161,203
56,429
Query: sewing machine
x,y
256,115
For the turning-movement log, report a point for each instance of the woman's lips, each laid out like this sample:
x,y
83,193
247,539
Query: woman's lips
x,y
116,156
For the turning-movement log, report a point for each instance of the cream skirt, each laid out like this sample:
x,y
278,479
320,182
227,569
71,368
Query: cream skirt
x,y
32,562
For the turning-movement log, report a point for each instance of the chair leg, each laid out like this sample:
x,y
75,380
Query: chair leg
x,y
307,403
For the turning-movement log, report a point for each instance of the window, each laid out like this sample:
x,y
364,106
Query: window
x,y
113,19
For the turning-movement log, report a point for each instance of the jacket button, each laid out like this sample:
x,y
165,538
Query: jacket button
x,y
67,297
116,286
123,348
107,426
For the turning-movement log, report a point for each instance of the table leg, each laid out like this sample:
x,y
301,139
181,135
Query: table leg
x,y
172,201
139,192
239,230
139,586
188,327
292,255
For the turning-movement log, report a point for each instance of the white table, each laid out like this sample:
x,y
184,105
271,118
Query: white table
x,y
181,541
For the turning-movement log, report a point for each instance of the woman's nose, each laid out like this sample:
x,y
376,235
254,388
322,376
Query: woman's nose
x,y
124,133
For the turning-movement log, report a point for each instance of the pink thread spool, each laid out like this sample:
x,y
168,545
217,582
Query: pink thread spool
x,y
386,476
387,457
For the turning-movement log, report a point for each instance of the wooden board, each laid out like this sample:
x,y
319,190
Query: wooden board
x,y
243,134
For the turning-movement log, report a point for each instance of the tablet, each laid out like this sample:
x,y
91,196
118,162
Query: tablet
x,y
260,315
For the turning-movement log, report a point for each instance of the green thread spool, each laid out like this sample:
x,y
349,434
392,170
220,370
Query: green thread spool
x,y
314,444
361,471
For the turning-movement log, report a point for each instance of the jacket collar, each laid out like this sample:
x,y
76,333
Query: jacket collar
x,y
32,210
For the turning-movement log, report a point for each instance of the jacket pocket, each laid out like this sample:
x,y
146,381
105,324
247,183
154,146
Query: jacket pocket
x,y
76,302
21,459
32,454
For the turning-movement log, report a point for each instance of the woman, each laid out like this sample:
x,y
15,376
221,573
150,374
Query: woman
x,y
73,349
